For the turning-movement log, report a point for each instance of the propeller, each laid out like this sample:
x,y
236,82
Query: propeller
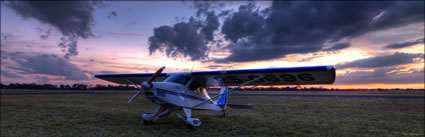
x,y
147,85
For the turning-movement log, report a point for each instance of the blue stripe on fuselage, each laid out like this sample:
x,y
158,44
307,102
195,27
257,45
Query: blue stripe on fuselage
x,y
162,92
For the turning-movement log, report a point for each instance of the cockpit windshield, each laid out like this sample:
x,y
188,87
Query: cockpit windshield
x,y
178,78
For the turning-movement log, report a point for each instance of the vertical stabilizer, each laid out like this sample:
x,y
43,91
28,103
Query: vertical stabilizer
x,y
222,101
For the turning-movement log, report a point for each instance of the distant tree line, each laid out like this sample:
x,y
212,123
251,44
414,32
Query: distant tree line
x,y
127,87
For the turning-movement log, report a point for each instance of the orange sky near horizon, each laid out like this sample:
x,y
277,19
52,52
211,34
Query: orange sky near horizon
x,y
122,48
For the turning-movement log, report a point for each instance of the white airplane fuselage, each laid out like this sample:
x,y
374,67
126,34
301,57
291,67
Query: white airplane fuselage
x,y
186,90
163,93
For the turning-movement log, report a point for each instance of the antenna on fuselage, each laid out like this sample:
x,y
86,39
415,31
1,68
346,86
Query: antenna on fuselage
x,y
192,69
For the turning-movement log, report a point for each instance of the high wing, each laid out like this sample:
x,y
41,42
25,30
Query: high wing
x,y
133,77
270,76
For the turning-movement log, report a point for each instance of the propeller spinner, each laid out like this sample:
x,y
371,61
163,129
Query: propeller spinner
x,y
146,85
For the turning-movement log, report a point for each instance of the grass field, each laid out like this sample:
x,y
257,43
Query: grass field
x,y
110,115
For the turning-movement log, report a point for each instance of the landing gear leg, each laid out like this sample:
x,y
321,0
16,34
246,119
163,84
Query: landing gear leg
x,y
160,112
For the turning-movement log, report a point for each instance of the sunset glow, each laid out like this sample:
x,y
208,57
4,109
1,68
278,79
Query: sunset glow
x,y
379,53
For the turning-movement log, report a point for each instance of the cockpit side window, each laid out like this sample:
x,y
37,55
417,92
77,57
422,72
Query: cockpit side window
x,y
194,85
180,79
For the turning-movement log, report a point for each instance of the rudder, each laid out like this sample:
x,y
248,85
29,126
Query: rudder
x,y
222,101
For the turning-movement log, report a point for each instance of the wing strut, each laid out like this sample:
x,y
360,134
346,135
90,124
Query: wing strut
x,y
233,89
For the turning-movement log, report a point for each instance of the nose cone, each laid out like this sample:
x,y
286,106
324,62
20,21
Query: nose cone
x,y
146,85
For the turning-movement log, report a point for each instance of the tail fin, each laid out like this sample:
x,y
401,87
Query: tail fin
x,y
222,101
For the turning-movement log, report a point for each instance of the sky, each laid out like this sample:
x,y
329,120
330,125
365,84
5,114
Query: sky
x,y
371,44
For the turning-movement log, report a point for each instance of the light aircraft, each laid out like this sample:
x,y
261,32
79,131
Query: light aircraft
x,y
186,90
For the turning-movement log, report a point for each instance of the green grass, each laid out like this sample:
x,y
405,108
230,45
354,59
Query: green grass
x,y
110,115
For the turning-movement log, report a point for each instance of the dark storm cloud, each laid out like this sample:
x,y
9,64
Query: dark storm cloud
x,y
70,17
181,39
338,46
245,22
298,27
380,76
45,64
404,44
211,24
382,61
188,39
205,7
202,7
74,19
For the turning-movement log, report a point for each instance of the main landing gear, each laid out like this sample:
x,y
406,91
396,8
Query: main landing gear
x,y
165,110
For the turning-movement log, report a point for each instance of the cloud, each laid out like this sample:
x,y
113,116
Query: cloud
x,y
46,34
205,7
74,19
380,76
11,55
188,39
7,36
106,72
245,22
181,39
47,64
218,66
212,24
71,43
404,44
300,27
282,29
42,80
382,61
9,74
338,46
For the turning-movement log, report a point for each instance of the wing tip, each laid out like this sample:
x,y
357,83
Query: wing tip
x,y
333,73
